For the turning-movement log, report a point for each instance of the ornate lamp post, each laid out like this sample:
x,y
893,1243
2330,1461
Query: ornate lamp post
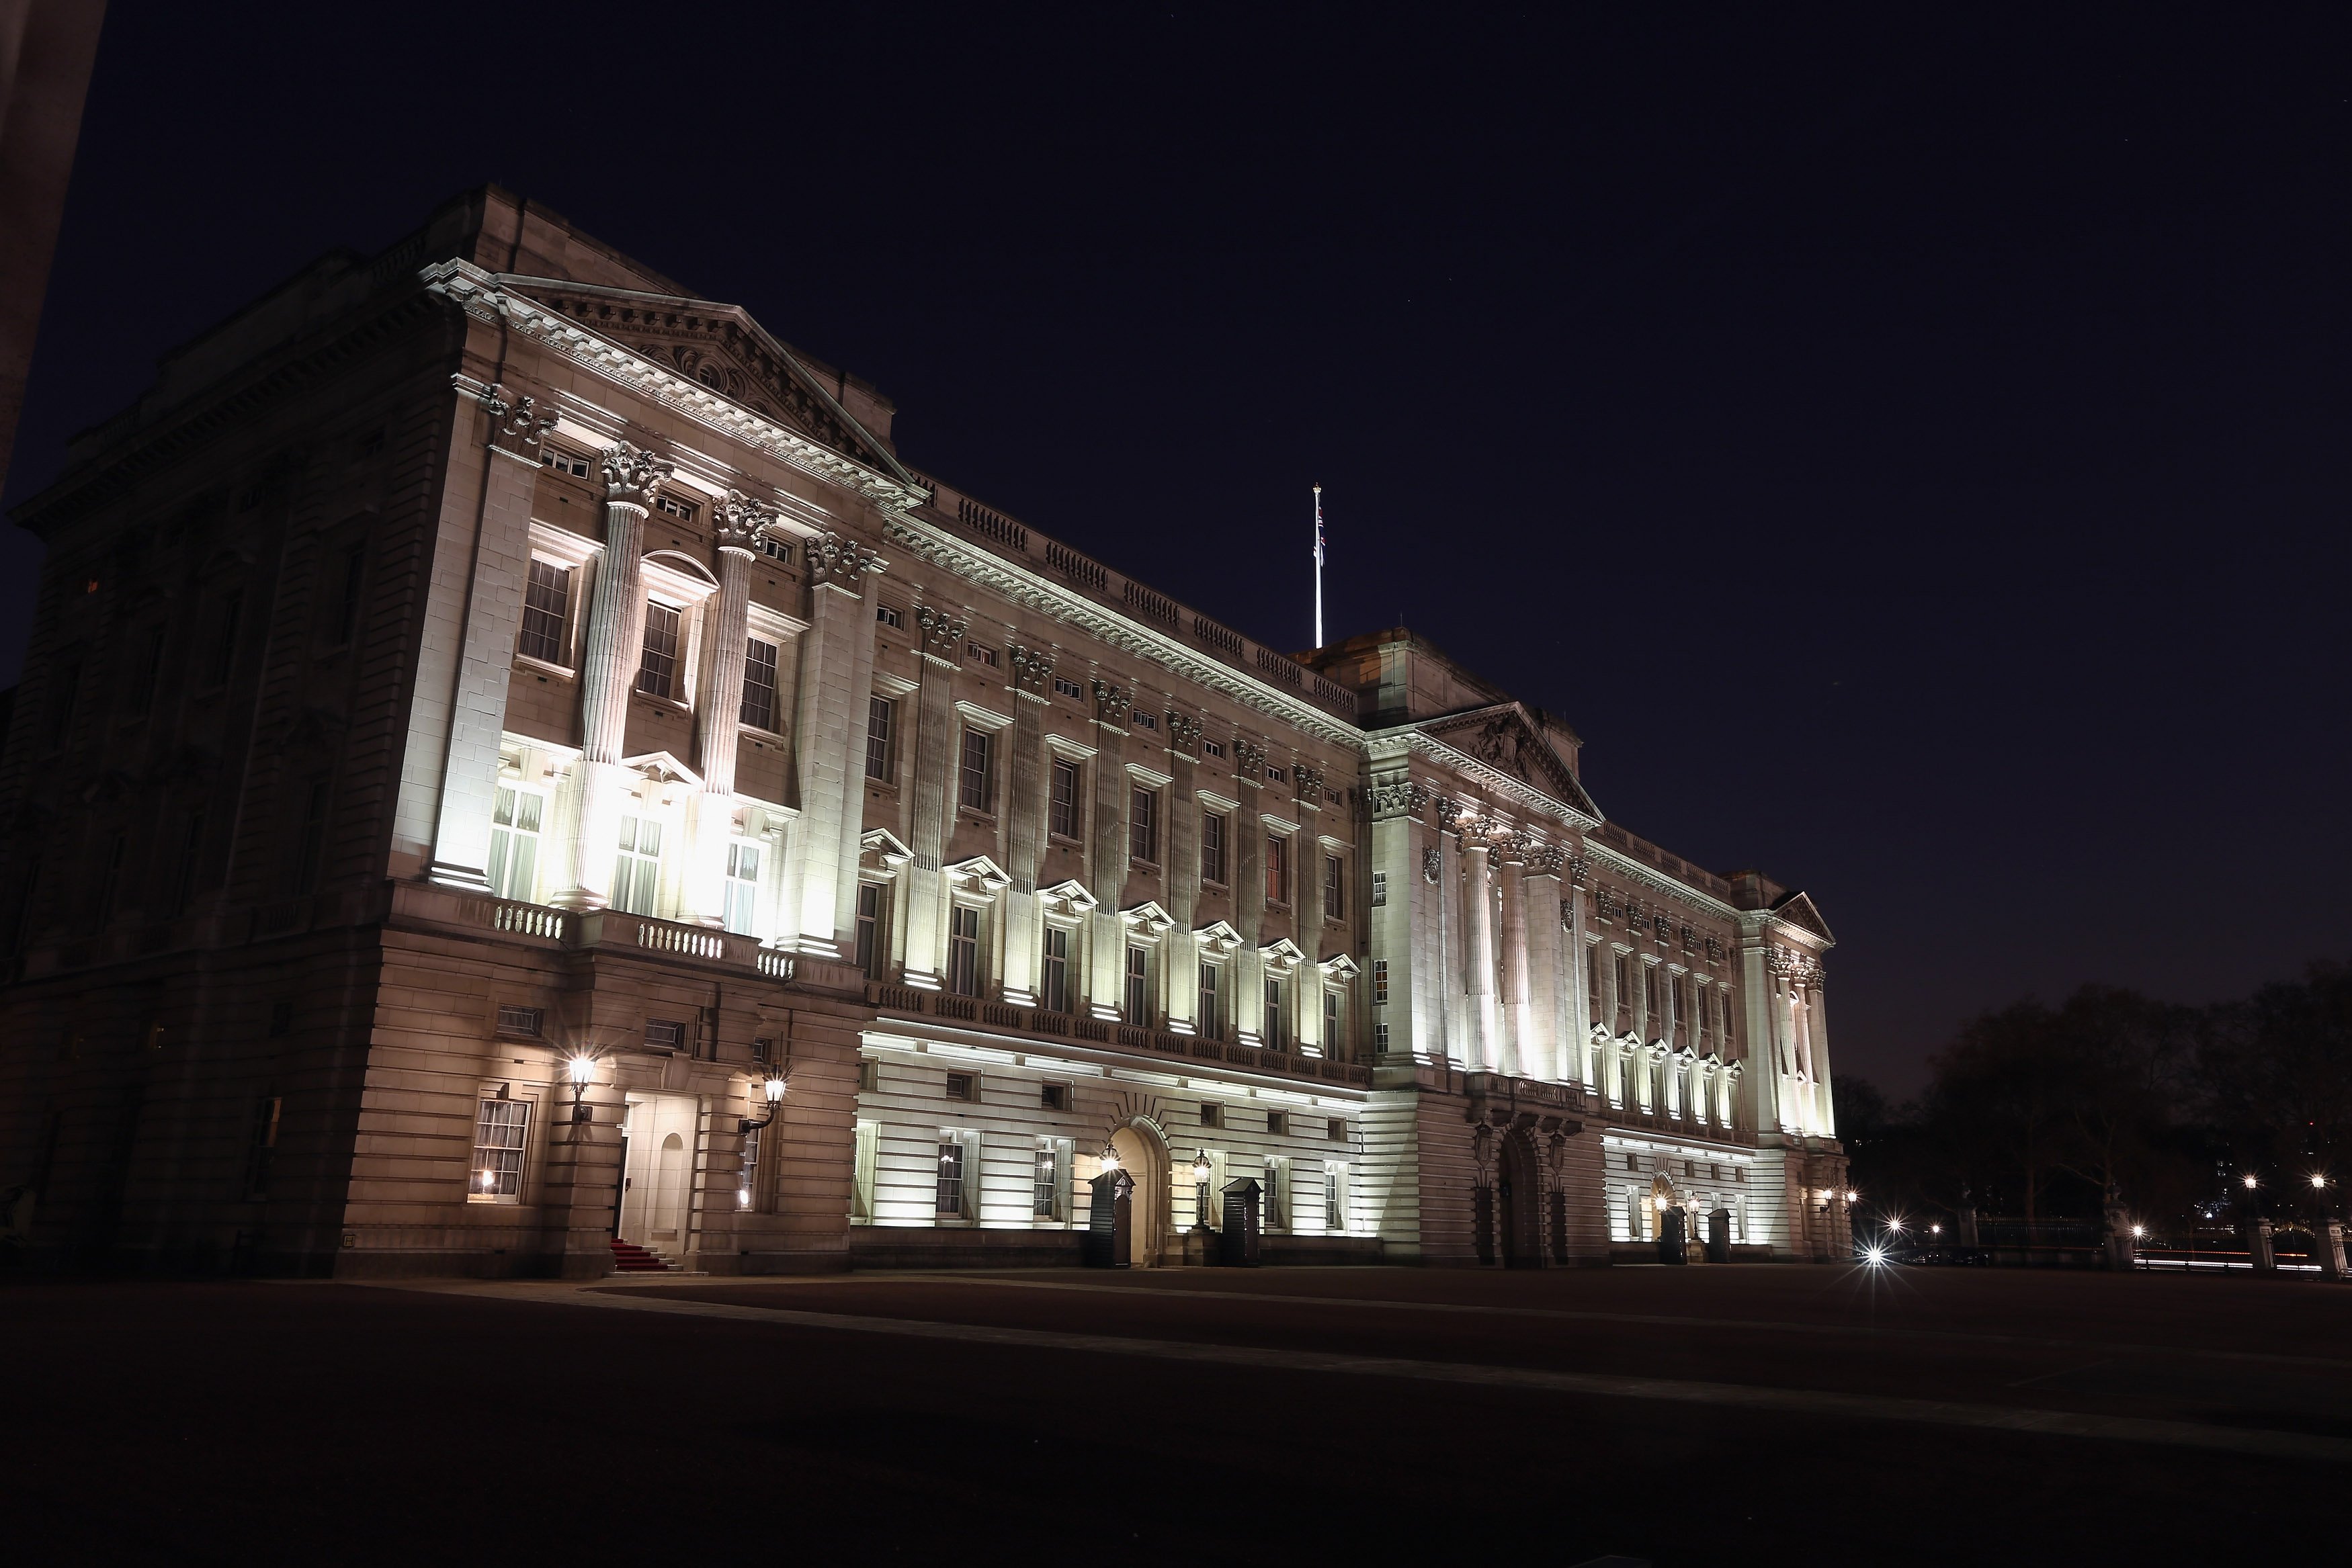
x,y
1200,1169
773,1088
582,1068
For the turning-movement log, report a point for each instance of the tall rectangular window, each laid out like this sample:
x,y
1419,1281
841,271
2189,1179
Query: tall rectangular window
x,y
637,872
1277,880
881,718
1055,988
310,849
1208,1021
1334,1195
226,620
975,789
759,684
1143,826
1273,1013
498,1127
1380,890
1062,817
1331,1023
148,673
963,951
870,928
742,885
658,667
1624,970
1727,1019
1276,1214
948,1201
344,618
861,1172
1213,847
747,1174
1138,985
1046,1194
1652,1013
514,842
546,601
1592,983
1379,982
1333,909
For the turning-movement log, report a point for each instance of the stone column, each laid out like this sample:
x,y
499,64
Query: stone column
x,y
1579,983
940,633
1478,916
1106,860
1181,861
1519,1053
1397,937
1818,1032
1031,689
837,678
719,707
1247,966
608,672
492,593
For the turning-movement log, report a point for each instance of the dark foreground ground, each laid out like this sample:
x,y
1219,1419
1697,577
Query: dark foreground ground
x,y
1690,1416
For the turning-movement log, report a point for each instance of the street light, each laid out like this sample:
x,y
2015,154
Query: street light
x,y
1200,1171
2318,1181
773,1088
2251,1182
582,1068
1109,1159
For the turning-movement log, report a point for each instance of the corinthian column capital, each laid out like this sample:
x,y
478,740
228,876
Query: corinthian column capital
x,y
737,521
632,477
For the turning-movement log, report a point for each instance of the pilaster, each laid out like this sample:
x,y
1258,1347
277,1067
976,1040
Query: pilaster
x,y
837,677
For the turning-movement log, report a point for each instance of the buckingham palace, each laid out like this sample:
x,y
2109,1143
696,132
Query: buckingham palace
x,y
516,776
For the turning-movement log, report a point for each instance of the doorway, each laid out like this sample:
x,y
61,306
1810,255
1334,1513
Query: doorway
x,y
1144,1158
659,1139
1519,1205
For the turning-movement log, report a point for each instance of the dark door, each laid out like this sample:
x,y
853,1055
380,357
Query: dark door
x,y
620,1185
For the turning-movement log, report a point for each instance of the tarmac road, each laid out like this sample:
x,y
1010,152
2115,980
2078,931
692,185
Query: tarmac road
x,y
1688,1416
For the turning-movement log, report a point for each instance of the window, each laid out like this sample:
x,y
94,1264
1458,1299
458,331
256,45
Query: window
x,y
1624,970
869,927
546,601
1278,775
1138,985
1592,983
881,716
1212,1115
776,549
525,1022
869,1077
1144,720
1335,1130
1213,847
670,506
343,614
749,1170
665,1034
1273,1013
1333,909
1331,1019
1380,1038
949,1201
564,462
1143,826
1379,982
964,1086
1380,890
759,684
980,655
1334,1195
1062,817
1651,1012
1063,687
1276,1214
1053,1096
514,842
1055,986
861,1171
225,616
657,669
963,951
742,885
1047,1201
497,1150
1208,1022
975,789
1277,879
888,615
147,673
1212,747
310,850
637,872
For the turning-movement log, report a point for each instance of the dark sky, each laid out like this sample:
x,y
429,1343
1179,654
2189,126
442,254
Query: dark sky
x,y
1913,453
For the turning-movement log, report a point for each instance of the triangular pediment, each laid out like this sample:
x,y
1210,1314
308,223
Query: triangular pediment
x,y
1282,953
720,347
664,767
885,848
1069,897
1797,910
1503,738
979,872
1148,916
1341,967
1218,937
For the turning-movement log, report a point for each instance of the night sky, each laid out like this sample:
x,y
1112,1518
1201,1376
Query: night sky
x,y
1912,454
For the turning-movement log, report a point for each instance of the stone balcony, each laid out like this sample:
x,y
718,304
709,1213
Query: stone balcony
x,y
905,1002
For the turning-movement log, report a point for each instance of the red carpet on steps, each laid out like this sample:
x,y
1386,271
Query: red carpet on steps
x,y
629,1258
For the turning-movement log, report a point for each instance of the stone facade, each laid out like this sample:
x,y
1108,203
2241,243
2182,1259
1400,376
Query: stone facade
x,y
492,717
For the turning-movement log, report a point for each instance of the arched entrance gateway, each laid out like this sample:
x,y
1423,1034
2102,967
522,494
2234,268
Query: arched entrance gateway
x,y
1143,1156
1518,1203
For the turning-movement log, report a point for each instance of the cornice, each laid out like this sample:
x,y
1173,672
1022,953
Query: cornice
x,y
482,296
1486,774
1633,871
928,543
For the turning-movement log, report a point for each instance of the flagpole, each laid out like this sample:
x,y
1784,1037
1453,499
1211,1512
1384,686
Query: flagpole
x,y
1318,566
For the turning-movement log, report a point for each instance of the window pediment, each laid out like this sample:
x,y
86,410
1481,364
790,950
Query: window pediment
x,y
1217,939
1066,900
663,768
1281,955
979,877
